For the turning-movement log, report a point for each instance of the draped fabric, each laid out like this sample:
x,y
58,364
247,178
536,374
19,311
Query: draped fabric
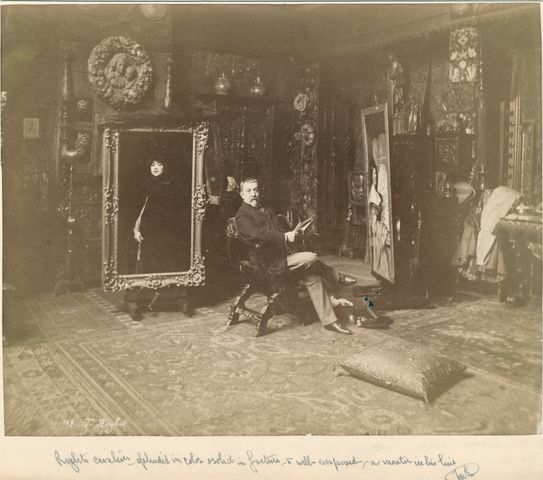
x,y
479,255
498,206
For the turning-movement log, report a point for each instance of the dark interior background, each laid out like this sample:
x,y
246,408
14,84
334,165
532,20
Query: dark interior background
x,y
339,53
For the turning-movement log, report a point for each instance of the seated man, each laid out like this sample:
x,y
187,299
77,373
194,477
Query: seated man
x,y
258,224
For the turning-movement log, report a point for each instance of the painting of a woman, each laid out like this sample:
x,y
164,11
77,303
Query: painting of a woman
x,y
375,206
158,229
380,233
383,259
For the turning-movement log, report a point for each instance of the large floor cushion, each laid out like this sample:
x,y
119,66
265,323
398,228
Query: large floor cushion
x,y
404,367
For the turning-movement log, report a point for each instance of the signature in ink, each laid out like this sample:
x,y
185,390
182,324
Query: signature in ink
x,y
99,425
463,472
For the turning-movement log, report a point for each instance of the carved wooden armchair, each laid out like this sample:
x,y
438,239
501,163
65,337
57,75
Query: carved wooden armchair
x,y
282,293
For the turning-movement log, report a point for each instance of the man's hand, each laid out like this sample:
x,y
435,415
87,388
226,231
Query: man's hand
x,y
137,236
290,236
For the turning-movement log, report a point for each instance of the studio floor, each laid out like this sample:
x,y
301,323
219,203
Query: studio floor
x,y
77,364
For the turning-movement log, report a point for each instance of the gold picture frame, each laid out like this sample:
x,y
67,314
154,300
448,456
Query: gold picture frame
x,y
113,144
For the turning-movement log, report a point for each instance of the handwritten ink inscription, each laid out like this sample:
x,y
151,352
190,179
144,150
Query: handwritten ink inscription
x,y
463,472
256,462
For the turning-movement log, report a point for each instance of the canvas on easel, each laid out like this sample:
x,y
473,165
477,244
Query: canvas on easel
x,y
379,199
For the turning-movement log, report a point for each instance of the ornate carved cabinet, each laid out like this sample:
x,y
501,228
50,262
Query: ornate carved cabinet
x,y
452,159
410,171
424,217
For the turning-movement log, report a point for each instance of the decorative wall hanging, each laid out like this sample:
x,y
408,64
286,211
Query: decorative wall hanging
x,y
461,97
303,159
300,102
120,71
306,134
463,61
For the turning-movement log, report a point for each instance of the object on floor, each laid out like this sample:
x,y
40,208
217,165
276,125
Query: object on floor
x,y
391,297
340,302
404,367
346,280
373,322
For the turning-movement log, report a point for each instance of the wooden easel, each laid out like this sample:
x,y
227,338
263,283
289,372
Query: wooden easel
x,y
138,300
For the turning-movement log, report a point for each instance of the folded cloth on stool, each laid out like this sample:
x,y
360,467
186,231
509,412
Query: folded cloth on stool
x,y
404,367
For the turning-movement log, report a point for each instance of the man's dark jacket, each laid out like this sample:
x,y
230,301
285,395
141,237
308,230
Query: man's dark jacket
x,y
261,225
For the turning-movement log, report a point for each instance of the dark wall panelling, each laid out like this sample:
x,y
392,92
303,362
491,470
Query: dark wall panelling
x,y
30,79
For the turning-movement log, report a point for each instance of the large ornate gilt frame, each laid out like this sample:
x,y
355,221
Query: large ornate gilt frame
x,y
195,276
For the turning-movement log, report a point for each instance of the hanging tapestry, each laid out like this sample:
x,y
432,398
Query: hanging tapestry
x,y
461,97
463,48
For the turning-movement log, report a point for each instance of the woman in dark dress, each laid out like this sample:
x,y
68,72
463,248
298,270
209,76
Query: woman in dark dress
x,y
161,228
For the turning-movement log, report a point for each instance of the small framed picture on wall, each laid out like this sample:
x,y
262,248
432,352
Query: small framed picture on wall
x,y
31,128
83,109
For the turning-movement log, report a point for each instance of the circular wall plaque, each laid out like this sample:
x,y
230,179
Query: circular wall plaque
x,y
120,71
154,12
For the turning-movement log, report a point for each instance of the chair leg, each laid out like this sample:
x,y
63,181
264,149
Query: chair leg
x,y
233,317
265,314
262,321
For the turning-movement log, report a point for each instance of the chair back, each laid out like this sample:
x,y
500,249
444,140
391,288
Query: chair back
x,y
232,228
243,254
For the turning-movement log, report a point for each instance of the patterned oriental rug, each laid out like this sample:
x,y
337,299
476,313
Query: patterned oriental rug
x,y
78,365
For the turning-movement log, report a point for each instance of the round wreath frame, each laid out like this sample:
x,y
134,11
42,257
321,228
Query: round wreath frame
x,y
98,60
